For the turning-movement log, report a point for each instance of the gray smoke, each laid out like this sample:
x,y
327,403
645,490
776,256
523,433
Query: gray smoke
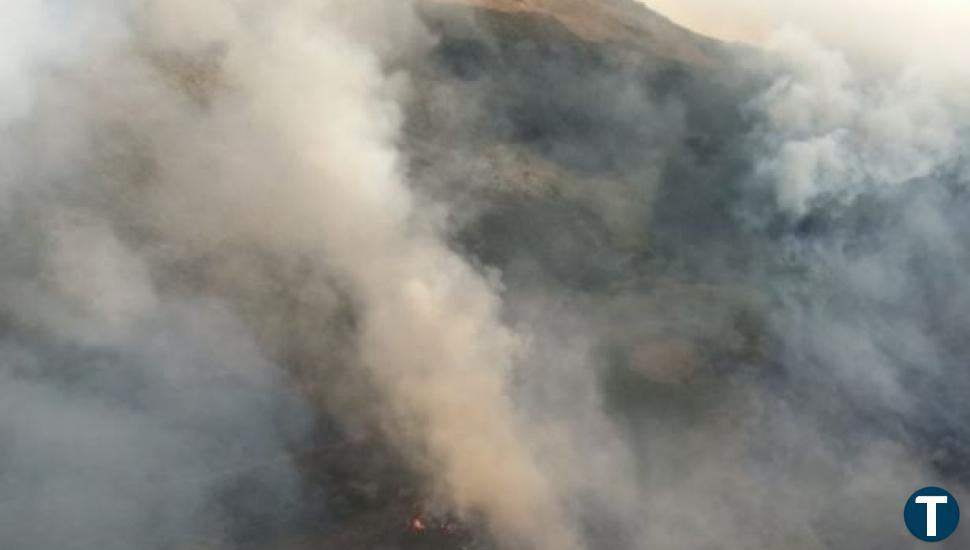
x,y
168,167
590,293
755,340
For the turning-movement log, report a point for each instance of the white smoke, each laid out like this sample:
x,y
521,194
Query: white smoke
x,y
196,133
207,218
832,131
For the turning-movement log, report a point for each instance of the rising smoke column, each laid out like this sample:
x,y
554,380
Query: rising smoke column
x,y
429,329
182,133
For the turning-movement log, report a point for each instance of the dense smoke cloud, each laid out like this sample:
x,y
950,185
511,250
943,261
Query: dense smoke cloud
x,y
838,131
589,295
153,165
772,328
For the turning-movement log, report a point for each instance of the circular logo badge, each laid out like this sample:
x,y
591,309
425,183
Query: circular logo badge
x,y
931,514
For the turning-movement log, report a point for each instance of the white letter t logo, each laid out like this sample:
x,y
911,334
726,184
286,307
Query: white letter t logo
x,y
930,503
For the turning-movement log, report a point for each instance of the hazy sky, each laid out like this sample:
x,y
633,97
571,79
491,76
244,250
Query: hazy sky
x,y
883,26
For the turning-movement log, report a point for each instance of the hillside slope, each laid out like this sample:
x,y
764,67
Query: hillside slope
x,y
610,20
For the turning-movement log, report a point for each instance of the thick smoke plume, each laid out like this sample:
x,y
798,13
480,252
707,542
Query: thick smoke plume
x,y
155,154
585,293
768,322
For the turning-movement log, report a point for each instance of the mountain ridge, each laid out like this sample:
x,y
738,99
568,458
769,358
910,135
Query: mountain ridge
x,y
611,21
